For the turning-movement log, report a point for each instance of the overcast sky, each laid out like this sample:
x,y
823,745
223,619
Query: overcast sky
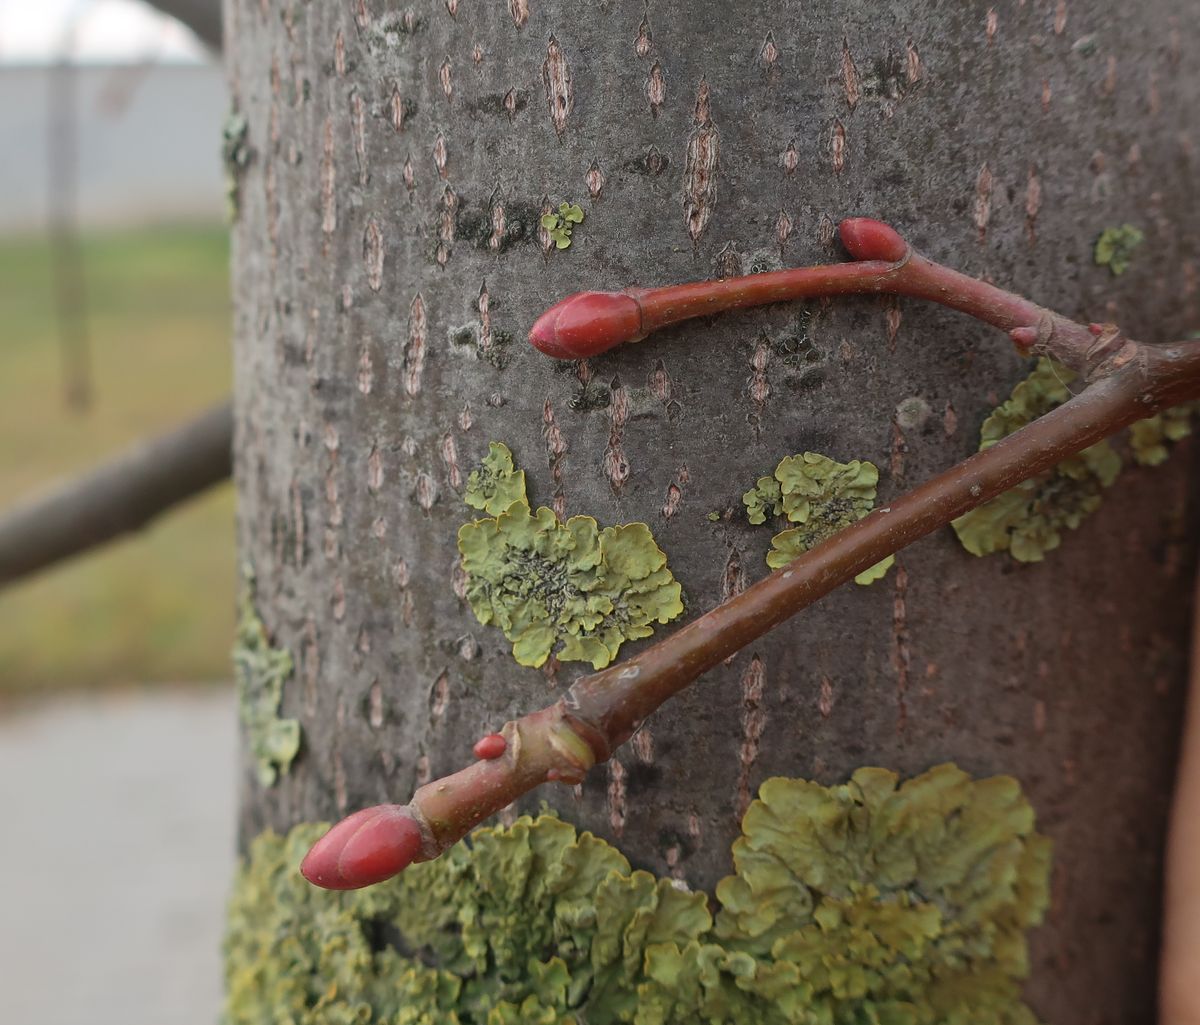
x,y
106,30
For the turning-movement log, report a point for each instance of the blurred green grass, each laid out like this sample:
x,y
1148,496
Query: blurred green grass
x,y
158,606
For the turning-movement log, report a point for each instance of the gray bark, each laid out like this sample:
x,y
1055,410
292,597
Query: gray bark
x,y
387,266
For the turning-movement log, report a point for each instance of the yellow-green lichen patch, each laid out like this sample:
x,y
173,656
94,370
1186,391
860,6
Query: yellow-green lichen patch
x,y
570,588
876,572
890,903
531,925
1115,247
260,671
559,225
1028,521
496,484
822,496
1148,438
870,902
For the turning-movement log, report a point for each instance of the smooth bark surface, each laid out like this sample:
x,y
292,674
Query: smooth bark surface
x,y
388,265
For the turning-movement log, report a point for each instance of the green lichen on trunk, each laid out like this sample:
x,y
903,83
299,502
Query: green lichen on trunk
x,y
497,484
260,671
235,155
560,225
1115,247
1029,520
823,497
551,585
866,902
1148,438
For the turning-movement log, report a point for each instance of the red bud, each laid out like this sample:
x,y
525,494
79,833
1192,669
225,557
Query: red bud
x,y
586,324
491,746
365,848
868,239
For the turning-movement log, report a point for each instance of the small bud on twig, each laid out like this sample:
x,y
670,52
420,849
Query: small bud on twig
x,y
490,747
367,847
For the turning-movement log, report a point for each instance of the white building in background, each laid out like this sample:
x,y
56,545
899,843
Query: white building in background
x,y
148,144
149,104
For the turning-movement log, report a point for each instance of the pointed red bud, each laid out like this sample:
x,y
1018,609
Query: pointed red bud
x,y
490,747
868,239
586,324
367,847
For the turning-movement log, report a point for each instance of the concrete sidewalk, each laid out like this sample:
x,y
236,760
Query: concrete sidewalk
x,y
116,849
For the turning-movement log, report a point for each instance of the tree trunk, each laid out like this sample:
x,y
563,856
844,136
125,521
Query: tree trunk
x,y
388,263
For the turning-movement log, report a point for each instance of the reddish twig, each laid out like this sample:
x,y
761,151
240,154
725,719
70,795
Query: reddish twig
x,y
600,712
588,323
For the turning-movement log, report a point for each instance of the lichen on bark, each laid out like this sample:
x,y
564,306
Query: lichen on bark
x,y
1149,438
559,225
1029,520
822,496
1115,248
260,671
872,901
496,484
573,589
235,155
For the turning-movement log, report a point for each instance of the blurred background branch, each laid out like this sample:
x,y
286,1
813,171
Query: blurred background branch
x,y
118,496
114,287
202,16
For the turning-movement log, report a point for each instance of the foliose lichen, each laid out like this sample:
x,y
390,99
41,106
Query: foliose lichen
x,y
862,903
873,902
497,484
1028,520
260,671
1148,438
822,496
570,588
1115,247
560,225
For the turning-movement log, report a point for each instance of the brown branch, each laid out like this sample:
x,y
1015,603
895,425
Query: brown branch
x,y
601,711
118,497
202,16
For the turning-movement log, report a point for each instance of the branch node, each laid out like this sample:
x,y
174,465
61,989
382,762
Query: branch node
x,y
1111,350
600,747
572,742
